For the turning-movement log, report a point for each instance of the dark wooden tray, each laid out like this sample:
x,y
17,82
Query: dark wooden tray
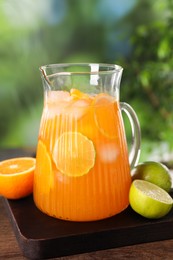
x,y
40,236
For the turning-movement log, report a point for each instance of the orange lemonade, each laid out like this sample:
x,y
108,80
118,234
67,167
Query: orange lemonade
x,y
82,168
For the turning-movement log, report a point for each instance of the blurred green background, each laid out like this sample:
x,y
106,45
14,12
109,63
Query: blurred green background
x,y
135,34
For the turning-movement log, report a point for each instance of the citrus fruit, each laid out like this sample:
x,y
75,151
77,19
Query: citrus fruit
x,y
104,115
16,177
43,172
74,154
75,93
149,200
154,172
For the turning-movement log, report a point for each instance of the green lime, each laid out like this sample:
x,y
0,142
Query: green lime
x,y
149,200
154,172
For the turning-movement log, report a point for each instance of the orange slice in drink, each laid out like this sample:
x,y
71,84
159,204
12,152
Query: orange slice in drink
x,y
105,115
43,172
76,93
74,154
16,177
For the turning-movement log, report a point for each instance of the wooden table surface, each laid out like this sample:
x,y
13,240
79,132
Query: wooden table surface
x,y
9,248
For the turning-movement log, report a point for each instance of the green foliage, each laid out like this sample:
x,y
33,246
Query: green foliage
x,y
148,76
34,33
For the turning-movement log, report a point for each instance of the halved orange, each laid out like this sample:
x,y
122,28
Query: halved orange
x,y
16,177
74,154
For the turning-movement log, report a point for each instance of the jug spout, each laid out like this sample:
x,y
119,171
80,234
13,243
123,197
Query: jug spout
x,y
45,80
88,78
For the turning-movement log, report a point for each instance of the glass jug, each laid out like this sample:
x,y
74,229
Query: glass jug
x,y
82,162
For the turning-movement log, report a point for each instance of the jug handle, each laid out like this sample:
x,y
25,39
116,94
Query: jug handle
x,y
136,133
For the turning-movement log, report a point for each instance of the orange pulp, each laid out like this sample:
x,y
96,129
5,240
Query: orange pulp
x,y
16,177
